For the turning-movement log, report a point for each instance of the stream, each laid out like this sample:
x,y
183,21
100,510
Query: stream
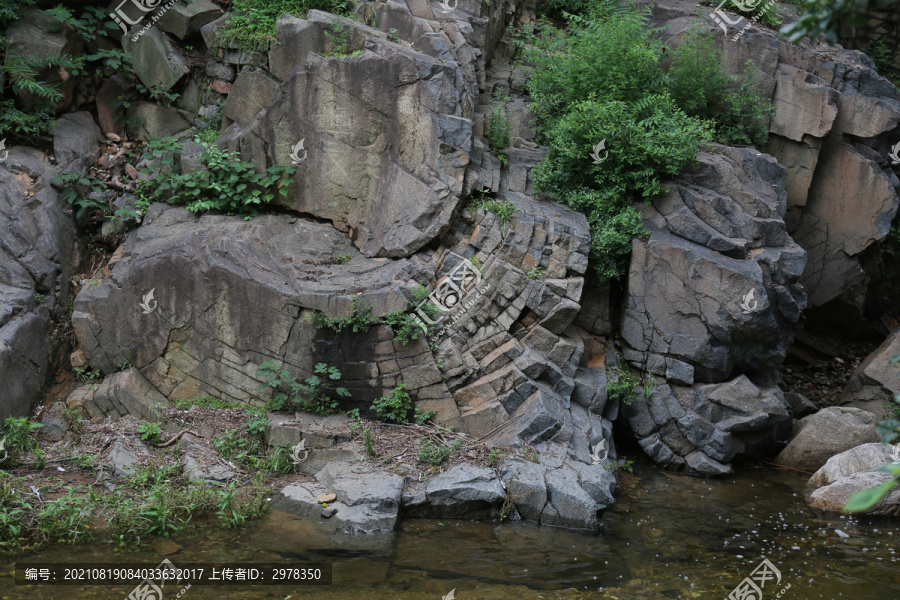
x,y
668,536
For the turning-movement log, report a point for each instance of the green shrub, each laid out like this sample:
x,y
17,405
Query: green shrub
x,y
499,127
505,210
16,438
253,25
397,407
317,393
406,326
701,88
149,432
228,184
358,319
29,128
28,525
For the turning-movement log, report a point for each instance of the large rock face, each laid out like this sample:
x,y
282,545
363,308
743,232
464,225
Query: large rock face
x,y
713,294
37,252
832,125
385,133
715,285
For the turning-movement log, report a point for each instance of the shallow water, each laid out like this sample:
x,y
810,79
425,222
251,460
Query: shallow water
x,y
668,537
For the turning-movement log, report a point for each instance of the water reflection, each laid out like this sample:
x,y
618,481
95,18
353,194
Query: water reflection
x,y
669,536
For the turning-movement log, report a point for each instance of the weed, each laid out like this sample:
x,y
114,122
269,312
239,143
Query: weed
x,y
625,466
16,438
500,128
392,35
73,418
432,454
494,457
359,319
367,440
85,461
315,394
344,258
149,432
397,407
531,455
534,273
257,425
504,209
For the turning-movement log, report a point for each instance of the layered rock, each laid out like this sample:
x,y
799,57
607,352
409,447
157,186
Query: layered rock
x,y
876,380
832,129
384,132
713,294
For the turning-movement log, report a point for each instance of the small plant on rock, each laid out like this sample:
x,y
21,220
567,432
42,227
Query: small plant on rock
x,y
534,273
358,319
149,432
317,393
432,454
16,438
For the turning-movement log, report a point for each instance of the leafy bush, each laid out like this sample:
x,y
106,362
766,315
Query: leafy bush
x,y
358,319
86,194
29,128
16,438
407,326
604,82
701,88
228,184
499,127
397,407
315,394
253,25
149,432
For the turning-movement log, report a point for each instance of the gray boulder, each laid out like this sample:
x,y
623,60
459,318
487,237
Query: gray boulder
x,y
124,393
155,121
76,136
834,496
183,19
463,491
123,456
865,457
830,431
367,502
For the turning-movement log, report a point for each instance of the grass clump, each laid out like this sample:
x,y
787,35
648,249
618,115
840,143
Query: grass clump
x,y
16,438
434,454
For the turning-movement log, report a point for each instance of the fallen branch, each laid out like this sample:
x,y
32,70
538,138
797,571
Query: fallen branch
x,y
785,467
177,436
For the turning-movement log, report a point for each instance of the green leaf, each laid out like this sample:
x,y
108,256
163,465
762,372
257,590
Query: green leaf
x,y
866,499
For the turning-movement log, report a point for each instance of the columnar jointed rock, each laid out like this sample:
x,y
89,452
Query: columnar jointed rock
x,y
704,427
715,285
